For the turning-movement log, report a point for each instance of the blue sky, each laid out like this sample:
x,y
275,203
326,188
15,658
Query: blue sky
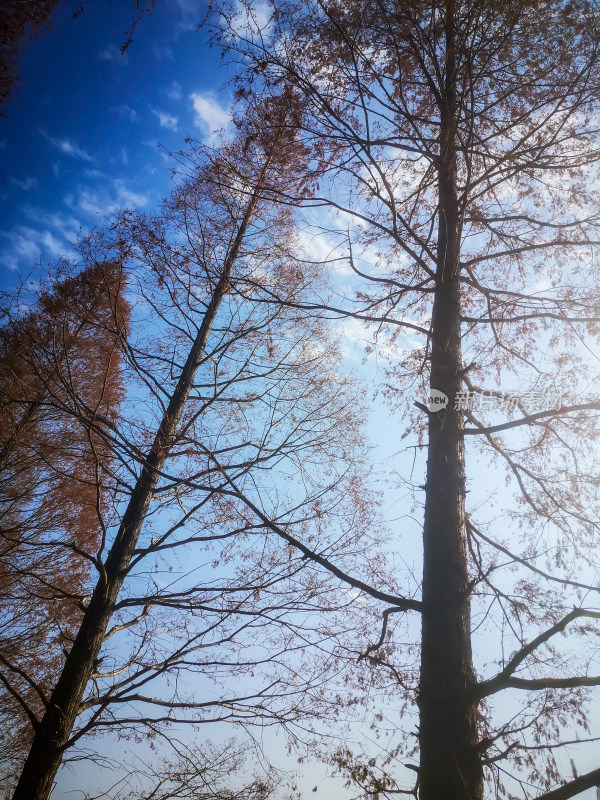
x,y
83,131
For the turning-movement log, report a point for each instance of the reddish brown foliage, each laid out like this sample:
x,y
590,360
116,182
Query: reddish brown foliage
x,y
60,385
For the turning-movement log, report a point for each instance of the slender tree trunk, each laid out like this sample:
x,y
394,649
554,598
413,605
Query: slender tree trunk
x,y
53,732
450,768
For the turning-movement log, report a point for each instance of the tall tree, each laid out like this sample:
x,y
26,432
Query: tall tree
x,y
54,475
462,138
226,389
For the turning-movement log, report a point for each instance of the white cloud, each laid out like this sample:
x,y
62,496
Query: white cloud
x,y
20,247
126,111
129,198
166,120
48,235
68,147
542,285
162,53
24,183
104,200
358,597
356,335
174,91
112,53
251,20
210,116
24,245
354,338
317,246
51,243
191,14
65,225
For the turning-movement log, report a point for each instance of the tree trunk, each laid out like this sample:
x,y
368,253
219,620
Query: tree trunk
x,y
450,768
53,732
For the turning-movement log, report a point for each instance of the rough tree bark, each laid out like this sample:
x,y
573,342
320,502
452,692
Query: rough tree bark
x,y
449,766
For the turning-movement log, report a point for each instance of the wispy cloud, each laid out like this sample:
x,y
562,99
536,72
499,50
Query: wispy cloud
x,y
24,183
112,53
65,224
209,115
166,120
100,201
46,236
23,246
174,91
162,53
128,198
354,338
191,14
251,20
126,111
67,147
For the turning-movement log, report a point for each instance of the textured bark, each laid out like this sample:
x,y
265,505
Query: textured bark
x,y
54,730
450,768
